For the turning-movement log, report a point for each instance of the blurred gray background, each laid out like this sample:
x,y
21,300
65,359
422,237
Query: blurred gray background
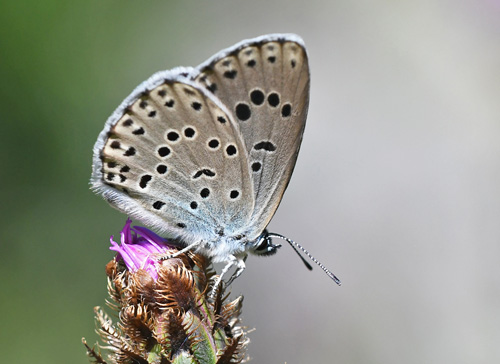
x,y
396,189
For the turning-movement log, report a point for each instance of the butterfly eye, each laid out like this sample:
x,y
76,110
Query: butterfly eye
x,y
262,246
265,248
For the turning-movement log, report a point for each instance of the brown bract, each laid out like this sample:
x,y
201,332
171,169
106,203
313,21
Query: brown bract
x,y
170,320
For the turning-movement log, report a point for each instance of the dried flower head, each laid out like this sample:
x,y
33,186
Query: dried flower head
x,y
165,315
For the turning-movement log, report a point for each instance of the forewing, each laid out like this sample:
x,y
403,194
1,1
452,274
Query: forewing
x,y
264,82
172,157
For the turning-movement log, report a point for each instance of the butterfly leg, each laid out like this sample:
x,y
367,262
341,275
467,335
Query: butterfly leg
x,y
182,251
239,262
218,281
241,267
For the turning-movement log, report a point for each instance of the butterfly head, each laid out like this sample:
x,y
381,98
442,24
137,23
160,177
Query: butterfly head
x,y
264,246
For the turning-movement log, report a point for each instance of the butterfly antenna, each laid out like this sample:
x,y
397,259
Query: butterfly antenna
x,y
297,246
306,263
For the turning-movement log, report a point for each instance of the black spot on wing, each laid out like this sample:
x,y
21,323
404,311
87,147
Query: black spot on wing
x,y
213,143
273,99
286,110
189,132
145,180
172,136
265,145
257,97
129,152
212,88
256,166
161,169
127,122
243,111
158,205
231,150
204,193
207,172
163,151
230,74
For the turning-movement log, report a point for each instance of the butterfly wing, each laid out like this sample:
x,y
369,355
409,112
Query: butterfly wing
x,y
172,157
264,82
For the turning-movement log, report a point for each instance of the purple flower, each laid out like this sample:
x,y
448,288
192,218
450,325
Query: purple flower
x,y
140,249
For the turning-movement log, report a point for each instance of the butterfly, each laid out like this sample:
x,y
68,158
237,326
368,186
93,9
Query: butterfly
x,y
205,154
